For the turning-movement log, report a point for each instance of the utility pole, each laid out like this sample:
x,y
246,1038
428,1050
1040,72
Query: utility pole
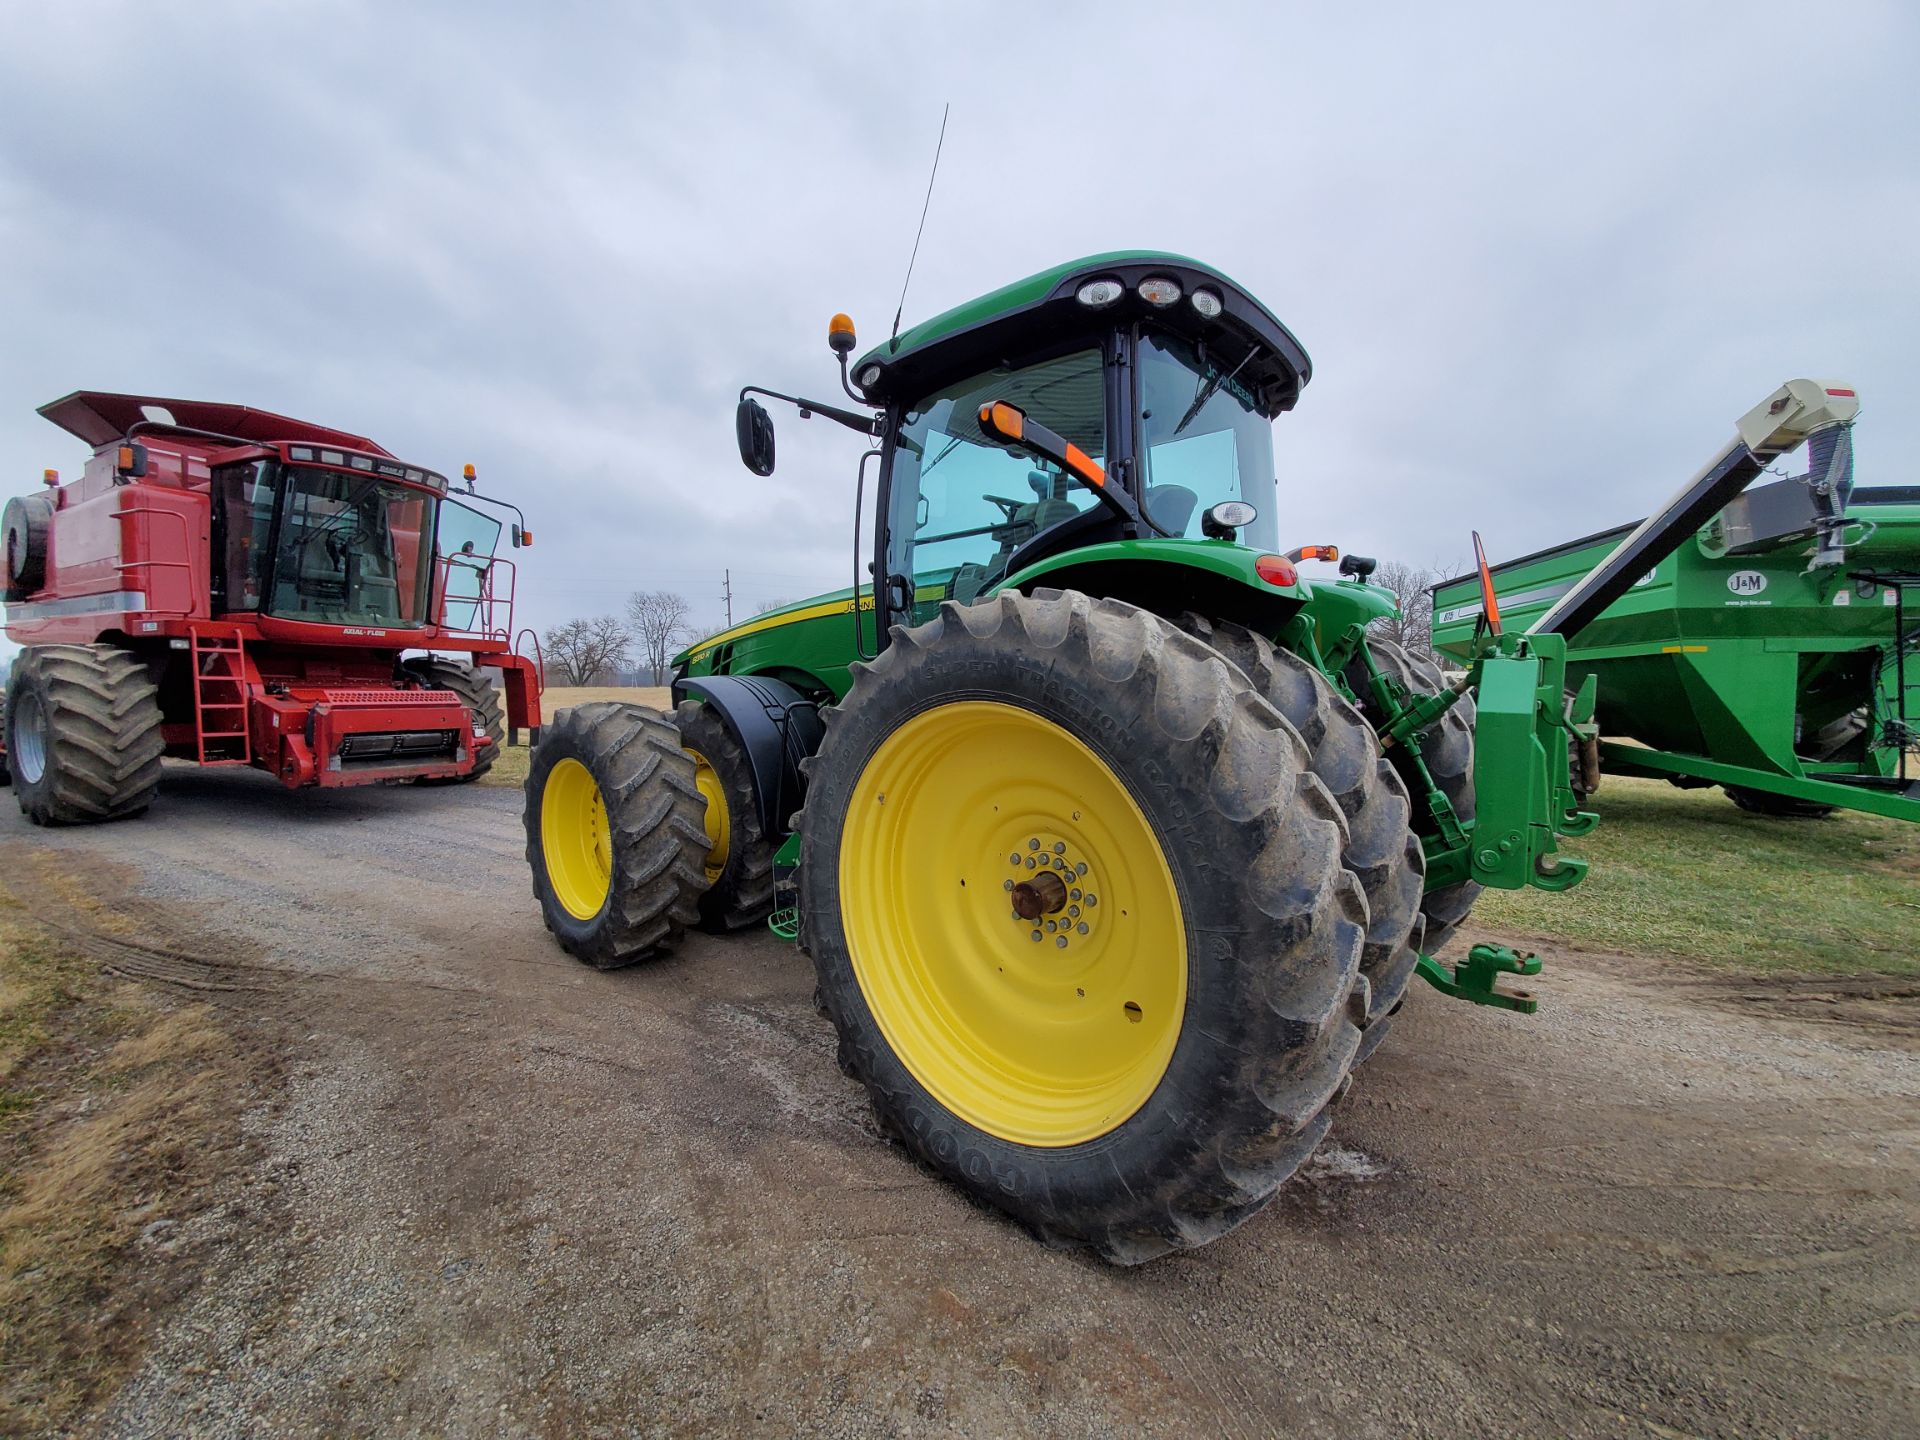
x,y
728,582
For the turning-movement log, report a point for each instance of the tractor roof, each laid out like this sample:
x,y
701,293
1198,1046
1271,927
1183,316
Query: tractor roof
x,y
984,332
100,418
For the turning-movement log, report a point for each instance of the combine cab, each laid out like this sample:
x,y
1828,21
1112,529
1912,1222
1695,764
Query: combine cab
x,y
232,587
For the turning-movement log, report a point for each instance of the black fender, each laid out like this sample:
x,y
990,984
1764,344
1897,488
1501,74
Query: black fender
x,y
776,725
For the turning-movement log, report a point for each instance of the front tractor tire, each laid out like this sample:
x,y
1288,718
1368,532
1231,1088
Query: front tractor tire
x,y
83,734
1076,905
482,699
739,862
615,834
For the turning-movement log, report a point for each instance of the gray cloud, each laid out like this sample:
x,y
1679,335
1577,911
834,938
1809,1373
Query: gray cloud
x,y
1542,260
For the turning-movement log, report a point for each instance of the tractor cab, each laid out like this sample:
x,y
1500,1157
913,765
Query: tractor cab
x,y
1121,399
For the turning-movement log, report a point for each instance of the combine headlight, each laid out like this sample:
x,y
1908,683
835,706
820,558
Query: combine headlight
x,y
1207,303
1097,293
1158,290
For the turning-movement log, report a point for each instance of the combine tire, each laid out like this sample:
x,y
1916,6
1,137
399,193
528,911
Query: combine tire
x,y
6,775
1075,900
1381,848
479,694
1448,751
614,833
23,544
739,863
1782,807
83,734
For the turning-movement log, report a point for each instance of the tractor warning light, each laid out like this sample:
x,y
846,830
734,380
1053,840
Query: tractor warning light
x,y
49,477
1277,570
467,472
840,334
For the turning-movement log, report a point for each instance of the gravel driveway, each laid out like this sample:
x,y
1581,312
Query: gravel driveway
x,y
503,1194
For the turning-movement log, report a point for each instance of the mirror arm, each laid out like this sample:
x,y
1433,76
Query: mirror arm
x,y
864,424
489,500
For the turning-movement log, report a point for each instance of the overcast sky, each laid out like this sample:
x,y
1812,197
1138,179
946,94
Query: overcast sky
x,y
1542,257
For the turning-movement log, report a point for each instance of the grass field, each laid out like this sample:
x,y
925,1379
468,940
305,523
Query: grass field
x,y
118,1116
1684,873
511,767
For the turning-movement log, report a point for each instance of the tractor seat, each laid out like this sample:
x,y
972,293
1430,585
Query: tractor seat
x,y
1171,507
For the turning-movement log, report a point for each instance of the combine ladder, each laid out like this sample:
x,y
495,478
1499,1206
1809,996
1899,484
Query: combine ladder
x,y
220,700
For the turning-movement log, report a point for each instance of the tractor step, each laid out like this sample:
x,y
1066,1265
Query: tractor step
x,y
219,689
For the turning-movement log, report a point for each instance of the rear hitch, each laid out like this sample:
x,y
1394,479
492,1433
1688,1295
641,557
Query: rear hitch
x,y
1473,978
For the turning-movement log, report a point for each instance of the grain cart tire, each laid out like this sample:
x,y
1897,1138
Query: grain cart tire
x,y
1448,752
1075,903
739,861
614,834
478,694
1381,847
23,544
1781,807
83,734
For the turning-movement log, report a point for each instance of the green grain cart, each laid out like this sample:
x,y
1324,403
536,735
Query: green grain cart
x,y
1772,653
1115,839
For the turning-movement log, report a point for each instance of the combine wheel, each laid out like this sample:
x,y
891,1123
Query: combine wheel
x,y
1448,752
739,864
1381,848
479,694
24,526
6,775
1076,904
83,734
614,833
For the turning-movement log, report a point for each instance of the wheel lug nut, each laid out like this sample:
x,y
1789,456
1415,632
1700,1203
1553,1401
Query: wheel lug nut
x,y
1036,934
1083,927
1073,894
1074,911
1093,899
1014,859
1059,847
1006,884
1081,868
1033,844
1061,942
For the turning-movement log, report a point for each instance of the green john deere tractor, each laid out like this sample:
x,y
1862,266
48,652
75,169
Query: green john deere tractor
x,y
1115,840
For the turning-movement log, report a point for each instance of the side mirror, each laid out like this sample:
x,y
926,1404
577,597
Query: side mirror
x,y
131,461
754,427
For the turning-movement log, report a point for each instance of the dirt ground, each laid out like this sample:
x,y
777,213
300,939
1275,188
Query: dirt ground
x,y
502,1194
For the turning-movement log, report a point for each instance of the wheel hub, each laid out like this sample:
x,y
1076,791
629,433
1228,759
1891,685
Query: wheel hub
x,y
30,739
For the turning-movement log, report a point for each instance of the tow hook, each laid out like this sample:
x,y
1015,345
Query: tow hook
x,y
1473,978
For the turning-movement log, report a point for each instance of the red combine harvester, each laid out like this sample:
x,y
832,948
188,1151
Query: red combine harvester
x,y
232,587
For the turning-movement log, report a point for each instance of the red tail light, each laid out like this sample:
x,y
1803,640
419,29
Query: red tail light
x,y
1277,570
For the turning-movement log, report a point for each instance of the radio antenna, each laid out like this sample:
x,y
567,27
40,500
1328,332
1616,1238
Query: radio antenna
x,y
894,338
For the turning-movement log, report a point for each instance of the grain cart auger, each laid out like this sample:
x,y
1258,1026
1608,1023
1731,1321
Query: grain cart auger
x,y
231,587
1118,839
1771,652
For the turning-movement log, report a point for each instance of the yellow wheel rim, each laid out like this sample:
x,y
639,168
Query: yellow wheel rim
x,y
575,839
1044,1041
719,827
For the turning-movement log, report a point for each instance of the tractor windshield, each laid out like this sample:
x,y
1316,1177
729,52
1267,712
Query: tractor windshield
x,y
351,550
1203,441
961,504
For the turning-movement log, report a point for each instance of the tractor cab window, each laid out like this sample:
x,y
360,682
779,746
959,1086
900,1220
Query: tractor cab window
x,y
243,530
962,504
351,550
1203,440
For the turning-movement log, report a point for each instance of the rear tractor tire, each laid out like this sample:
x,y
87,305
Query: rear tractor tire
x,y
1447,749
1381,848
615,837
481,697
1076,904
739,861
83,734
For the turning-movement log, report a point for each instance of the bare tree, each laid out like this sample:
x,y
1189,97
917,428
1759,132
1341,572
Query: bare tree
x,y
761,607
588,652
659,620
1412,586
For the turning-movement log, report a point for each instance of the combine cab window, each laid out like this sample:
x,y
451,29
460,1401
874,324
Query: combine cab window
x,y
961,504
1204,441
352,550
465,544
243,520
